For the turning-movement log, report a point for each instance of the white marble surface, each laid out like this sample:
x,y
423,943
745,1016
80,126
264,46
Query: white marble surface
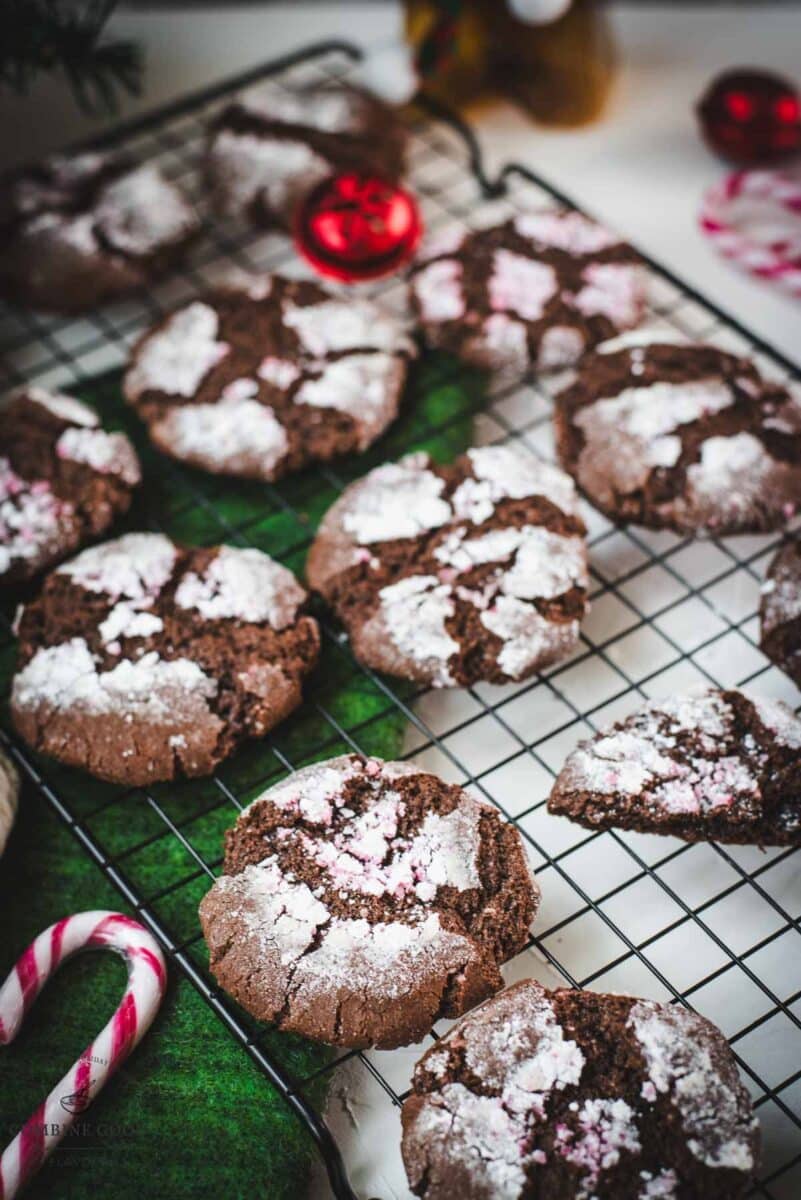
x,y
642,167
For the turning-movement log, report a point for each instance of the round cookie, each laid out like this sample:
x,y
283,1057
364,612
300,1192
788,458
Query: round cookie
x,y
780,611
536,291
579,1096
364,900
708,765
681,436
9,797
141,660
63,480
452,575
77,231
272,145
261,379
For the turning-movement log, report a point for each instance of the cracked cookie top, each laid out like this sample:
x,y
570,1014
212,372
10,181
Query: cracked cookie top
x,y
261,379
272,144
681,436
63,480
142,660
80,230
536,291
451,575
363,900
719,765
578,1096
780,610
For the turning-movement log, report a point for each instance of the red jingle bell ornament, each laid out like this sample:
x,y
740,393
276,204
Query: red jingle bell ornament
x,y
354,226
750,116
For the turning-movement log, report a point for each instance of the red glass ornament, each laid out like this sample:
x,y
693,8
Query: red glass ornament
x,y
750,116
355,226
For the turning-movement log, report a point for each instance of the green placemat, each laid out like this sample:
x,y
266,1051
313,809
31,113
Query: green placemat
x,y
190,1113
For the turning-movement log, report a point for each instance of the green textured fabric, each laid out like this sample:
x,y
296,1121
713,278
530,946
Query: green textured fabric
x,y
190,1114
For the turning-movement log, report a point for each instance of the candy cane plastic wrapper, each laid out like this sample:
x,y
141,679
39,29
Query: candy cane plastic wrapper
x,y
147,976
754,218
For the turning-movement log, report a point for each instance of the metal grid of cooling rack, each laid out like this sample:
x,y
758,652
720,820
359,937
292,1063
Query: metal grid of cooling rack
x,y
709,926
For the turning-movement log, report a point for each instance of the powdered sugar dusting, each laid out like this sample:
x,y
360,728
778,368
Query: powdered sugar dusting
x,y
502,344
365,386
176,358
560,346
133,567
438,288
398,500
732,475
510,472
713,1105
413,613
239,435
632,433
662,1186
612,290
781,591
331,110
66,678
782,722
243,585
569,231
527,636
248,167
107,453
520,285
140,211
336,325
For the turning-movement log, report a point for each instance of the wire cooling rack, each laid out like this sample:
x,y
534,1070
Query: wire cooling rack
x,y
712,927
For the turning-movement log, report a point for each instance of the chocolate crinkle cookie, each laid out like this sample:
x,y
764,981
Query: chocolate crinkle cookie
x,y
681,436
262,378
63,480
452,575
780,611
77,231
709,765
272,144
576,1095
364,900
142,660
536,291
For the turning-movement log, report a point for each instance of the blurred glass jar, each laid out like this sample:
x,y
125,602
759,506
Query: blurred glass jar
x,y
554,57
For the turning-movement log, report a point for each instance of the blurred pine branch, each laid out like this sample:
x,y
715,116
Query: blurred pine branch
x,y
46,35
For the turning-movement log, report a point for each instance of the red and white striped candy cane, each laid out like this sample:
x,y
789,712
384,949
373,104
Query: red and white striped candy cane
x,y
736,216
147,977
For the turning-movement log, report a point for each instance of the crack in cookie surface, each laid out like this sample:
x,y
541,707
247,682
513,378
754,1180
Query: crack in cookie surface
x,y
579,1096
711,764
361,900
63,480
141,660
450,575
681,436
261,379
535,291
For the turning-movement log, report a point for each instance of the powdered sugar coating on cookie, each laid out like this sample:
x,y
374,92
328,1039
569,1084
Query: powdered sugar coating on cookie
x,y
780,610
141,660
63,479
242,585
509,1104
714,1110
673,434
176,358
255,381
477,572
696,765
353,888
536,290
